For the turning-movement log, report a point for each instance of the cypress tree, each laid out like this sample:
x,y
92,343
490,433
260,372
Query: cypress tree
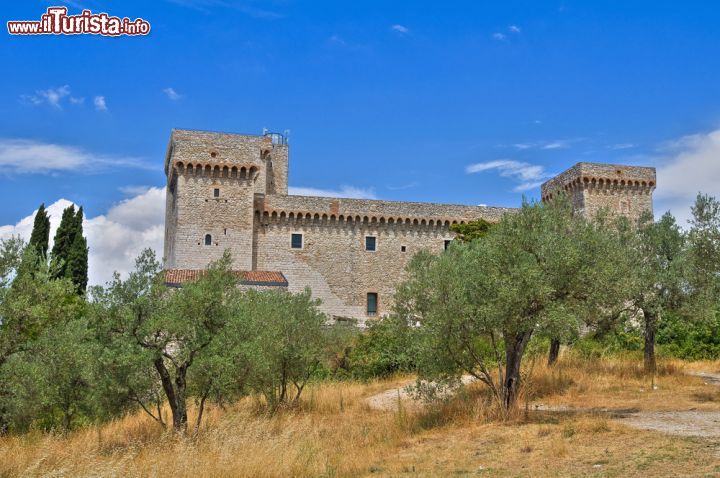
x,y
77,260
40,232
64,238
70,250
77,263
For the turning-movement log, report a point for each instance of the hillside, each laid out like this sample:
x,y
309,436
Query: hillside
x,y
579,423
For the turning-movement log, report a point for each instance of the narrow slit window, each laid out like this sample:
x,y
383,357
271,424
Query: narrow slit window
x,y
372,299
296,241
208,240
370,243
447,243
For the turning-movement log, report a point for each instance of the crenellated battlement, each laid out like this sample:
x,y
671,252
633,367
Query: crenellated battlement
x,y
230,192
316,219
216,170
625,190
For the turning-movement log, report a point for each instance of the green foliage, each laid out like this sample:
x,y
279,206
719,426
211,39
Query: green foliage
x,y
618,342
471,230
32,302
680,338
41,350
77,262
388,346
339,342
703,271
50,385
11,251
70,251
40,236
288,343
479,304
156,332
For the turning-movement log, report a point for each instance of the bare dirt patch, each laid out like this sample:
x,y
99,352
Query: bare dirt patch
x,y
690,423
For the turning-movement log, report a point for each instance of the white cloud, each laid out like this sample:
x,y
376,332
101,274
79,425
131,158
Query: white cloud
x,y
622,146
77,101
115,239
336,39
548,145
28,156
134,190
555,145
499,36
514,28
172,94
99,103
344,192
692,166
528,175
400,28
249,10
51,96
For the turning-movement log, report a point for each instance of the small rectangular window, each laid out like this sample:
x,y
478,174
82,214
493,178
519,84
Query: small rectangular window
x,y
370,243
403,248
296,241
216,193
372,303
447,243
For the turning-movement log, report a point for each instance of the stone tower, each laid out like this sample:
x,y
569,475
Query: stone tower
x,y
212,183
625,190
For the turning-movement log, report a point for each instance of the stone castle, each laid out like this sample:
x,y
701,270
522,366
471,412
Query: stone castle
x,y
230,191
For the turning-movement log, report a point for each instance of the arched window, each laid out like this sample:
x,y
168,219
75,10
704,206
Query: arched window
x,y
208,240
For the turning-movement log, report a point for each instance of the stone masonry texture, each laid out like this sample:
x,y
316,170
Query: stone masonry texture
x,y
229,191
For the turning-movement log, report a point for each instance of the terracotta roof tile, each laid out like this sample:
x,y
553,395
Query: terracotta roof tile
x,y
263,278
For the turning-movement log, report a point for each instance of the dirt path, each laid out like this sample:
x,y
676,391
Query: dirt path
x,y
388,400
681,422
695,423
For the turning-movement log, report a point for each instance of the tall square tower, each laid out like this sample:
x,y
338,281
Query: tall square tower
x,y
212,181
625,190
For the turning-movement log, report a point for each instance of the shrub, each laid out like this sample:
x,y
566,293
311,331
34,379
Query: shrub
x,y
388,346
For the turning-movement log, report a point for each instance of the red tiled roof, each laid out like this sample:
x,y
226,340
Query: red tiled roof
x,y
267,278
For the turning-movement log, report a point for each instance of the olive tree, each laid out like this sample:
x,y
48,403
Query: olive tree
x,y
540,270
659,258
288,343
150,327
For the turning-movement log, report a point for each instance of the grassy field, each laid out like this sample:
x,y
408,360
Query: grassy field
x,y
335,433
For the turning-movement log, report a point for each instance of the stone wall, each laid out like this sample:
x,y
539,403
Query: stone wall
x,y
333,261
592,187
385,211
228,218
277,166
254,217
197,163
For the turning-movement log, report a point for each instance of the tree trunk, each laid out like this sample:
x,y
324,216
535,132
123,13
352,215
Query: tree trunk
x,y
180,418
175,394
514,350
650,327
554,351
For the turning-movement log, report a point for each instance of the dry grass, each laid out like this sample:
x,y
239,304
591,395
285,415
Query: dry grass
x,y
334,433
616,383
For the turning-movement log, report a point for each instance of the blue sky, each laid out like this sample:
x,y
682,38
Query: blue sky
x,y
393,100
